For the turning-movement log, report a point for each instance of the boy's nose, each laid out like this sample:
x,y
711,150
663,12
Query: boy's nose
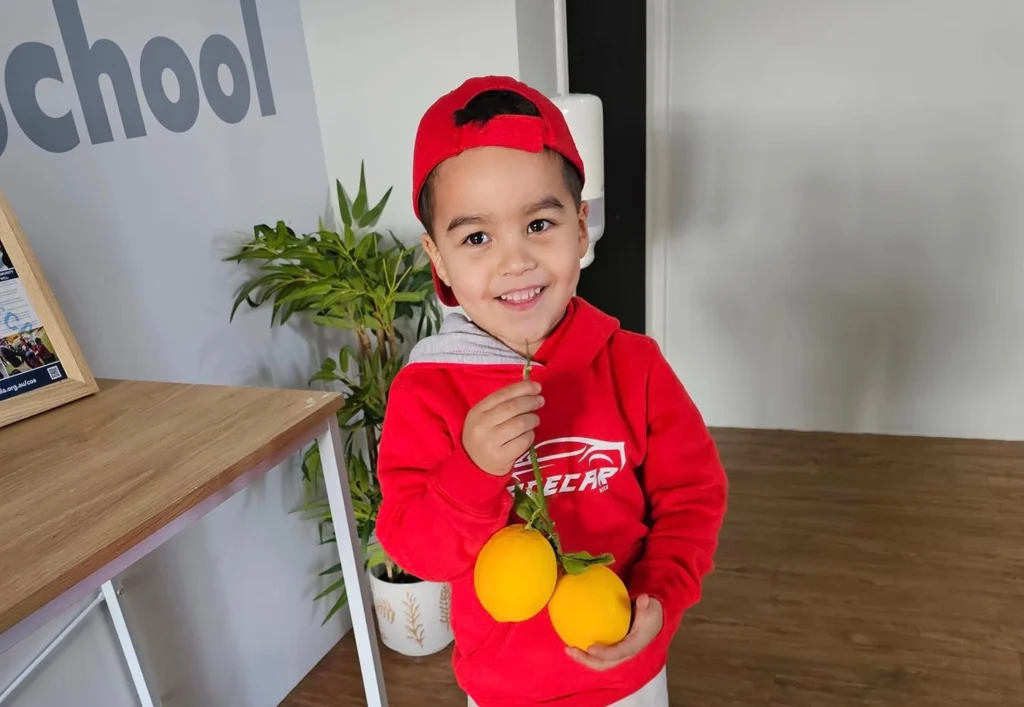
x,y
516,259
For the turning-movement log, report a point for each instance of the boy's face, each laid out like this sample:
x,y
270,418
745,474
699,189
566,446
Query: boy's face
x,y
508,240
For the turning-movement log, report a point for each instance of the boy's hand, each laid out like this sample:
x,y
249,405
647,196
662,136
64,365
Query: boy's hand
x,y
499,429
647,623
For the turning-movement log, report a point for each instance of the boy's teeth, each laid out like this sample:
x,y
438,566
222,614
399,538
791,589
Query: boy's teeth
x,y
522,295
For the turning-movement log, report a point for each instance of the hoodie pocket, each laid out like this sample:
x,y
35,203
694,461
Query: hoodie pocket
x,y
490,649
477,634
526,663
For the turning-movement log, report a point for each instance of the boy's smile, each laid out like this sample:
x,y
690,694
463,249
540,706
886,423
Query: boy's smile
x,y
521,299
508,240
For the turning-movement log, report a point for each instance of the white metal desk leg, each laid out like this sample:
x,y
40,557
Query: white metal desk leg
x,y
127,647
357,585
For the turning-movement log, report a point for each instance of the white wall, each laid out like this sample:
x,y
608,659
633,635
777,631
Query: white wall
x,y
377,66
130,234
535,33
840,222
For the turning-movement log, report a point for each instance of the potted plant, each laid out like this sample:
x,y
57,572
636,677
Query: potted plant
x,y
379,293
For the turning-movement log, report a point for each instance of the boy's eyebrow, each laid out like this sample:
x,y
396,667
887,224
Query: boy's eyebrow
x,y
548,202
463,220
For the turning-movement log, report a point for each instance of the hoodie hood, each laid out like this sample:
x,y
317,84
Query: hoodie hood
x,y
575,342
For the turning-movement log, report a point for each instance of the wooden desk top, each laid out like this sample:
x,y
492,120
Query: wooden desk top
x,y
82,484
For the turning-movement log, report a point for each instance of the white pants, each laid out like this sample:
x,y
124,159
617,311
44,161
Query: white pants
x,y
653,694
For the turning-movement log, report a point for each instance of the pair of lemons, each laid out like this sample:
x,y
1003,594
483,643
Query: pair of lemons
x,y
517,575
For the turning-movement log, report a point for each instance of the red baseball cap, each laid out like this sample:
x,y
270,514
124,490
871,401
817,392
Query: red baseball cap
x,y
439,138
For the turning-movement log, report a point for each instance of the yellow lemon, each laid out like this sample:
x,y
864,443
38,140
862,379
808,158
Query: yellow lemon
x,y
515,573
590,608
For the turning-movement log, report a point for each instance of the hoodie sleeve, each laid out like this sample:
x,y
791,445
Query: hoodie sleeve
x,y
438,507
686,487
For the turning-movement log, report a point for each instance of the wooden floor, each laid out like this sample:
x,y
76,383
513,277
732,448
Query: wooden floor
x,y
852,571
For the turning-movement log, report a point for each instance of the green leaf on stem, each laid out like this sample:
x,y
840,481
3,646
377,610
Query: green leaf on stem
x,y
577,562
524,504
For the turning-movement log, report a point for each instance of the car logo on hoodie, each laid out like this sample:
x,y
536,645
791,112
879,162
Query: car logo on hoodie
x,y
572,465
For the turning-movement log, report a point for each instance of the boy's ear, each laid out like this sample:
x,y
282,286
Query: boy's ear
x,y
435,257
584,229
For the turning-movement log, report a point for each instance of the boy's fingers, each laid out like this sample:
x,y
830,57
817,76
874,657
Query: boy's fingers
x,y
509,392
646,624
626,648
590,661
516,427
511,409
517,446
644,629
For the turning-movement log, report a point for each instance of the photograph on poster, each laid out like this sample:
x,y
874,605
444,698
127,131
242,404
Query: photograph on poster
x,y
41,366
27,358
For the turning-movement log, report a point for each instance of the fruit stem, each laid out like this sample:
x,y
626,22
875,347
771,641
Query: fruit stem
x,y
540,519
538,477
543,521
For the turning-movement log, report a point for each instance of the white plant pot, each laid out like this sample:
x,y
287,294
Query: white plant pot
x,y
413,619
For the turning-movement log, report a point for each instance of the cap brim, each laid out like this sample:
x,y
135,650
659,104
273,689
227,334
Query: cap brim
x,y
444,293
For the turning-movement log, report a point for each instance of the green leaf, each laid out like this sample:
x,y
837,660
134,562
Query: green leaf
x,y
343,206
327,376
245,294
339,297
331,589
335,322
342,600
331,238
359,205
375,556
525,506
373,215
284,233
311,459
364,537
370,323
363,247
410,296
315,289
578,562
330,570
262,232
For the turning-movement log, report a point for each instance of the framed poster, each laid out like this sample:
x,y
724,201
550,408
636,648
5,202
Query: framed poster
x,y
41,366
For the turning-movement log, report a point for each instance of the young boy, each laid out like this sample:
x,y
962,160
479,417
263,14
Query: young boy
x,y
629,467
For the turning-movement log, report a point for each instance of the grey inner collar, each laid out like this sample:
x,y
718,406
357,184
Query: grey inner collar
x,y
461,341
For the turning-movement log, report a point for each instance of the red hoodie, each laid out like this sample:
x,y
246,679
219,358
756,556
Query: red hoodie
x,y
629,468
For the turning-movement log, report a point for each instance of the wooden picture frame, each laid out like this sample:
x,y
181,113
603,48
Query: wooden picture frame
x,y
41,366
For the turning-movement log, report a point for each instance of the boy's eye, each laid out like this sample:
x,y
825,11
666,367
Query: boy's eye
x,y
478,238
538,226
